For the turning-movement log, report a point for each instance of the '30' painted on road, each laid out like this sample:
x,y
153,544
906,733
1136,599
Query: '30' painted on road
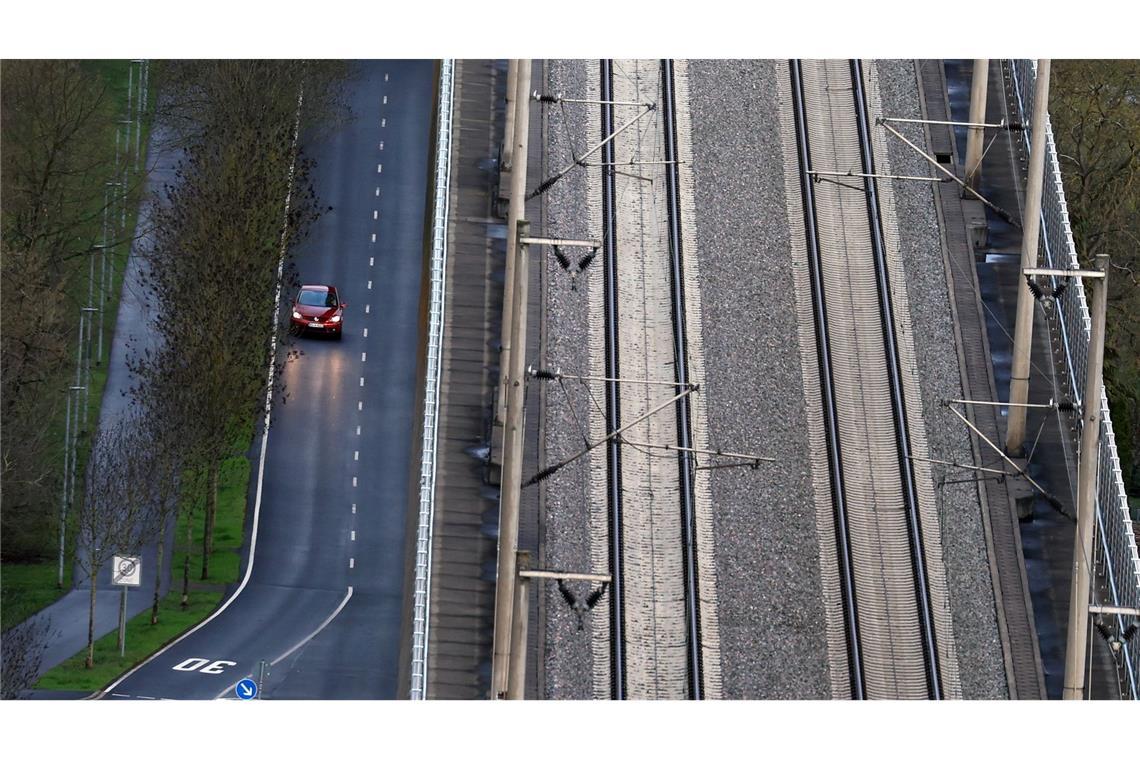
x,y
200,665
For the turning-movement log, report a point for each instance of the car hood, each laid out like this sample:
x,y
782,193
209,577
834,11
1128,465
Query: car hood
x,y
321,312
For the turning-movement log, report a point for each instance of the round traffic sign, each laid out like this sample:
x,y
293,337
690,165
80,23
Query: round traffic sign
x,y
246,688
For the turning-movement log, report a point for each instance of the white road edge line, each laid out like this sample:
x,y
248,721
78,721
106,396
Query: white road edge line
x,y
298,645
265,428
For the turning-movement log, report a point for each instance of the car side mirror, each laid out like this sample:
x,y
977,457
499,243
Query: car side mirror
x,y
344,304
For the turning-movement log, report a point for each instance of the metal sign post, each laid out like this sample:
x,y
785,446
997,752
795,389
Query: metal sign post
x,y
262,674
125,571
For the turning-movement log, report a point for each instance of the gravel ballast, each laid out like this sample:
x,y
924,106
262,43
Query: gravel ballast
x,y
771,609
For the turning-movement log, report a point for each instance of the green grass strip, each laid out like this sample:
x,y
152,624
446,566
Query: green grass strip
x,y
224,560
143,640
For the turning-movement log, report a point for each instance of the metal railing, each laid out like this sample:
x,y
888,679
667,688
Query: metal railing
x,y
1121,571
422,598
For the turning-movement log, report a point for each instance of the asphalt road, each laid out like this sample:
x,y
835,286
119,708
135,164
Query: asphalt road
x,y
325,597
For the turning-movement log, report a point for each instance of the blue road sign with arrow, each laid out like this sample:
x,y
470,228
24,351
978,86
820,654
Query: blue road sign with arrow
x,y
246,688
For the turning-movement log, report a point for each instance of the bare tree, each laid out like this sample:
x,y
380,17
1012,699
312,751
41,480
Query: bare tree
x,y
199,97
215,261
21,655
1095,107
121,500
53,121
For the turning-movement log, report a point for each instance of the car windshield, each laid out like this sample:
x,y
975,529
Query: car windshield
x,y
317,298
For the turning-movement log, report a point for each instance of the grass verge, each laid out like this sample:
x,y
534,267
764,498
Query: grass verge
x,y
224,560
143,639
27,588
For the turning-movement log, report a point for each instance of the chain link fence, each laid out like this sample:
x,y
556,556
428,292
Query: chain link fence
x,y
1119,567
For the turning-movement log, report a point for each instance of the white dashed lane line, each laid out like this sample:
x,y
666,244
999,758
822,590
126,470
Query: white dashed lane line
x,y
367,310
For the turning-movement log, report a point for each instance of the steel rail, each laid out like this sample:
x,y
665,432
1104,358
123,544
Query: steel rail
x,y
613,393
894,372
681,372
830,414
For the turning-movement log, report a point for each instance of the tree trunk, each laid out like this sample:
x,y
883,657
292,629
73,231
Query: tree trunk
x,y
158,573
91,623
211,516
186,564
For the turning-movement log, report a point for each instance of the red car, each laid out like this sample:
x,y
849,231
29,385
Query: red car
x,y
318,308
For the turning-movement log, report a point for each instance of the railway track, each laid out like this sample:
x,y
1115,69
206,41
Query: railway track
x,y
890,633
655,636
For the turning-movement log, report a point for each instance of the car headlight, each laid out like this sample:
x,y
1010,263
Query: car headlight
x,y
296,314
335,319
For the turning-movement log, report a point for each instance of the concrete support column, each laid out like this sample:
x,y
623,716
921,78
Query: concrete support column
x,y
1076,646
1031,228
509,129
511,386
975,138
516,687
